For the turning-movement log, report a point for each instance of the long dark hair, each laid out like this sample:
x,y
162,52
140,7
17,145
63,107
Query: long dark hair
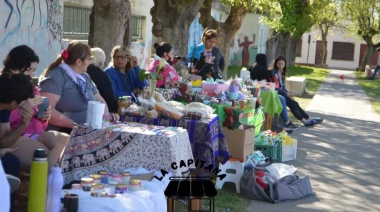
x,y
19,59
261,60
284,70
76,50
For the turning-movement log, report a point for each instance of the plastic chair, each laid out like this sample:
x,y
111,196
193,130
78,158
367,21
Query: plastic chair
x,y
233,169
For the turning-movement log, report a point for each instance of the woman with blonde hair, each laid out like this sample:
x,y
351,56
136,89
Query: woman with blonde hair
x,y
69,88
206,57
123,72
101,79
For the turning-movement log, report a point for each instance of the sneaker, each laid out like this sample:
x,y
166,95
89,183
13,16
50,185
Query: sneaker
x,y
309,123
317,120
291,126
14,182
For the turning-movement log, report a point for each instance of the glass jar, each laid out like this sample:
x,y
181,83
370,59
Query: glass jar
x,y
96,178
123,104
103,176
76,186
97,187
117,178
86,183
120,188
135,185
126,176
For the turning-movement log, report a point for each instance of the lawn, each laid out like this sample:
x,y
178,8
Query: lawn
x,y
372,89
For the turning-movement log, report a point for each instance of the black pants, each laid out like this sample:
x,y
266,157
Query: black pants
x,y
295,108
11,166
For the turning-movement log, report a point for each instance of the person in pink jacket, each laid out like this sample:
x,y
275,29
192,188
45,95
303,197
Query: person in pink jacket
x,y
168,73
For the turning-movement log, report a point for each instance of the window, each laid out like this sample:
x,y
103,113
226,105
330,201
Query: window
x,y
343,51
137,27
76,21
299,48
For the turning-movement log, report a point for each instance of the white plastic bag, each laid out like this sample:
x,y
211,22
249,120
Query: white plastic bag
x,y
280,170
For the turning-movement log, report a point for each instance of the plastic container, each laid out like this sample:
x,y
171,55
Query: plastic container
x,y
55,184
272,151
196,83
213,88
289,152
38,182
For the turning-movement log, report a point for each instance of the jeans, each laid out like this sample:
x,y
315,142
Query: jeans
x,y
284,112
11,166
375,72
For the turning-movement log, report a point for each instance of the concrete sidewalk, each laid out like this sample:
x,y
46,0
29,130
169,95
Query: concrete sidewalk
x,y
341,155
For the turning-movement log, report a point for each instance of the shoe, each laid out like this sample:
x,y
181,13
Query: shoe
x,y
317,120
14,182
291,126
309,123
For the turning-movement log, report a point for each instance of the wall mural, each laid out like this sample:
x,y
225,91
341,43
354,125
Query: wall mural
x,y
36,23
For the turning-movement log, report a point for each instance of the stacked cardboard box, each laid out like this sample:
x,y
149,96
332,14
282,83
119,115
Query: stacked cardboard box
x,y
240,142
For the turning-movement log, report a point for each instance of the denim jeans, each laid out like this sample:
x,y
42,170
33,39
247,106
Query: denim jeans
x,y
375,72
284,112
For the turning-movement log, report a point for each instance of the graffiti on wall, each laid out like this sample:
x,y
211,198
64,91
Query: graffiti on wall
x,y
36,23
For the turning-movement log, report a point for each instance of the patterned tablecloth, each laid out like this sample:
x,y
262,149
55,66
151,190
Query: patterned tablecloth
x,y
125,146
206,136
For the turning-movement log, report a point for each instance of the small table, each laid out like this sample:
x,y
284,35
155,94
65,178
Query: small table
x,y
125,146
271,105
206,136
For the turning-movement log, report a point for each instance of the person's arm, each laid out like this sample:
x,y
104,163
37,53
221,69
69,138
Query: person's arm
x,y
57,118
8,137
221,62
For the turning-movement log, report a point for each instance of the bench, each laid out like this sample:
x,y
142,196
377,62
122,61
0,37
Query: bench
x,y
296,85
369,72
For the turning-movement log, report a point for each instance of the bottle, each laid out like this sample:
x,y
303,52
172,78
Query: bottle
x,y
55,184
38,182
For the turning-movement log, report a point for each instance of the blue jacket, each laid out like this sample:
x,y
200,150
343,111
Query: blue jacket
x,y
117,82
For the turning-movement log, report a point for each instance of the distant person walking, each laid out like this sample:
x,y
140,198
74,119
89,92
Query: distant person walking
x,y
378,64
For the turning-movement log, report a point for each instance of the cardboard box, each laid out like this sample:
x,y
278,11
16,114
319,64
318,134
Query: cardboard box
x,y
240,142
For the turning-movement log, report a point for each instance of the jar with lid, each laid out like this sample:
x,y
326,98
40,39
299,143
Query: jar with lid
x,y
117,178
135,185
110,188
123,104
103,176
97,187
86,183
126,176
120,188
96,178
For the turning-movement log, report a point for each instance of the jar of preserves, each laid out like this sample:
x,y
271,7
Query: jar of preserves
x,y
117,178
86,183
135,185
96,178
126,176
120,188
123,104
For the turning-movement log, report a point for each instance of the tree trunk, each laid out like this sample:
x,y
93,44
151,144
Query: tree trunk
x,y
226,30
108,23
171,21
368,53
324,32
281,44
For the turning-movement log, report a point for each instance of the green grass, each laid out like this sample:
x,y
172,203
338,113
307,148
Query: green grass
x,y
372,89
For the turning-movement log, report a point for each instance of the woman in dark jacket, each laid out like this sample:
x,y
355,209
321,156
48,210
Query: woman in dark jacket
x,y
259,71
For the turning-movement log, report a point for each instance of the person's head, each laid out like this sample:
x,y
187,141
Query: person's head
x,y
261,60
280,64
77,56
164,50
14,88
98,57
21,59
121,58
209,38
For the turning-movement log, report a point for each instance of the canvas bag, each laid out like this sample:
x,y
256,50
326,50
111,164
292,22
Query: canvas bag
x,y
288,188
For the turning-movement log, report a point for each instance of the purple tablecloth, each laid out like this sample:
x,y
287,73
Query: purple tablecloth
x,y
206,136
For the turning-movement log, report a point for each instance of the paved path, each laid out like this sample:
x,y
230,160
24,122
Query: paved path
x,y
342,155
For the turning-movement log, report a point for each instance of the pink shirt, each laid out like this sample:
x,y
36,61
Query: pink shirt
x,y
36,125
169,74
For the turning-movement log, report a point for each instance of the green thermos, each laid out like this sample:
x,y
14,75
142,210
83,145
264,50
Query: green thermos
x,y
38,182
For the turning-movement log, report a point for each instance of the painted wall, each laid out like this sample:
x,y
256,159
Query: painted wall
x,y
36,23
309,50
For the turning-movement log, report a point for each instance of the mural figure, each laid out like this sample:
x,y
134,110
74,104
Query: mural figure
x,y
245,51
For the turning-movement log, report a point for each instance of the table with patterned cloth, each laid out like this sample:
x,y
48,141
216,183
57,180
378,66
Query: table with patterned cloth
x,y
122,146
206,136
271,105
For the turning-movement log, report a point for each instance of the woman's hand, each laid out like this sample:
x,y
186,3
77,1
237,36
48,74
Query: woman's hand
x,y
36,100
25,109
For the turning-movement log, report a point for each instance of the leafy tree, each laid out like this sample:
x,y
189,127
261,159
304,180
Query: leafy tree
x,y
110,25
325,15
289,20
171,21
365,22
227,29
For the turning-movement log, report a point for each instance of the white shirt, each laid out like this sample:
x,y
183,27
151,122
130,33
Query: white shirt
x,y
4,191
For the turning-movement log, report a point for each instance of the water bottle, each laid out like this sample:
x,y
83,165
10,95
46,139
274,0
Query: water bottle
x,y
38,182
55,184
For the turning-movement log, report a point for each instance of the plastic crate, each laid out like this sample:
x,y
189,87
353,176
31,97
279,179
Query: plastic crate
x,y
272,151
289,152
